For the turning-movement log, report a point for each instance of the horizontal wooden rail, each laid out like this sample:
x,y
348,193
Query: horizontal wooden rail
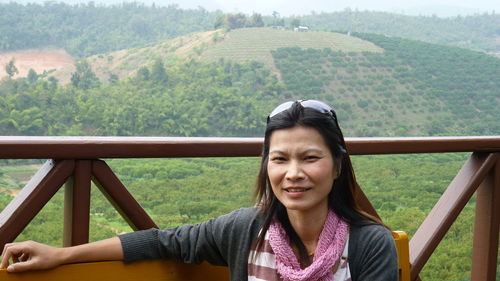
x,y
163,147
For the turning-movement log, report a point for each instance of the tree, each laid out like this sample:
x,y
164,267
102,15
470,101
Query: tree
x,y
113,78
219,21
83,77
255,20
143,74
277,21
32,76
234,21
295,22
11,68
158,72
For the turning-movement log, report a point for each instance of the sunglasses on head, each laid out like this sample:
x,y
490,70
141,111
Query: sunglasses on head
x,y
313,104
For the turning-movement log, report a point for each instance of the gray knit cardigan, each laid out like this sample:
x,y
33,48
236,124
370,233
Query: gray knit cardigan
x,y
227,240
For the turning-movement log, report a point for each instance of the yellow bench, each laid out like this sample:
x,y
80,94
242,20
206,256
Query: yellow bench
x,y
403,247
162,270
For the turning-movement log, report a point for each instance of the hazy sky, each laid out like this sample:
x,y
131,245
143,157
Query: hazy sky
x,y
300,7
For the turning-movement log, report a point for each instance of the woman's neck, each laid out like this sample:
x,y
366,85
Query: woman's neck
x,y
308,225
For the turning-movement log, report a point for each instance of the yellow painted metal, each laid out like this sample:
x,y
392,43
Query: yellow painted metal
x,y
157,270
164,270
402,245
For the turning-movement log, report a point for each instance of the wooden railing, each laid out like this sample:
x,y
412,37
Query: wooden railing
x,y
75,161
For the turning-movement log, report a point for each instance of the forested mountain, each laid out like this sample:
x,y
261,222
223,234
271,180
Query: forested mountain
x,y
477,32
88,29
383,86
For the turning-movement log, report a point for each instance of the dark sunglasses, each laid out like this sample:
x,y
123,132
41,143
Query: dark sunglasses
x,y
313,104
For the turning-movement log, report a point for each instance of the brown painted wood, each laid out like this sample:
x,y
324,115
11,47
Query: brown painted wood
x,y
77,205
486,228
37,192
448,207
125,147
120,197
366,146
161,147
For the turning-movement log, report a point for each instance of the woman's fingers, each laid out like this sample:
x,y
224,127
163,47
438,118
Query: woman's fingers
x,y
27,255
22,266
5,258
14,251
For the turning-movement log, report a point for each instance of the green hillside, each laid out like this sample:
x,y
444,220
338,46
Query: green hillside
x,y
380,86
247,44
476,32
239,46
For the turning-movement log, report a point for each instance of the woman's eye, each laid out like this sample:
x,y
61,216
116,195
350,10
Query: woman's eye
x,y
311,157
278,159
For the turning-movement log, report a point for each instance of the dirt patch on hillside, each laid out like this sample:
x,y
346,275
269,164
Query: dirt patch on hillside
x,y
11,192
23,177
38,60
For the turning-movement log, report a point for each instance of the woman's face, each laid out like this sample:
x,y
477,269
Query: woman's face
x,y
301,169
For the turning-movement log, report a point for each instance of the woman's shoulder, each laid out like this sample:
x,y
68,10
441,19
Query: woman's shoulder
x,y
370,233
368,229
242,216
372,253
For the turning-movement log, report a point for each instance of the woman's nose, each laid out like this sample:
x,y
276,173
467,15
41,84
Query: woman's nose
x,y
294,171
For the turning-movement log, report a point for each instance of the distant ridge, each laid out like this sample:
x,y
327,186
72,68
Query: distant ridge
x,y
239,45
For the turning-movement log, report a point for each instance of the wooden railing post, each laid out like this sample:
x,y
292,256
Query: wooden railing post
x,y
77,205
443,214
37,192
486,228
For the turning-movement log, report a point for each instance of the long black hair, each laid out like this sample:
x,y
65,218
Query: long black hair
x,y
341,198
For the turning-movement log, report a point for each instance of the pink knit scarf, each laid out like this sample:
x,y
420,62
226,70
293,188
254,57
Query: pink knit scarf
x,y
330,247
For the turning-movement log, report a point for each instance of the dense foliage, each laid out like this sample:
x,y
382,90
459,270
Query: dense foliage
x,y
477,32
412,88
464,81
186,99
429,89
88,29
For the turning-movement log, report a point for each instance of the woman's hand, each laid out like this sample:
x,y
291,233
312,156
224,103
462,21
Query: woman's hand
x,y
30,255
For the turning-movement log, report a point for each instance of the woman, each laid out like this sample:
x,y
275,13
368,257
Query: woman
x,y
306,225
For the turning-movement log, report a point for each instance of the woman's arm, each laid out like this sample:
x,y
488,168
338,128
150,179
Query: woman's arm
x,y
31,255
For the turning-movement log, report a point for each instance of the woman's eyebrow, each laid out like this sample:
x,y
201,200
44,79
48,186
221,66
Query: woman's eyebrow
x,y
310,150
279,152
313,150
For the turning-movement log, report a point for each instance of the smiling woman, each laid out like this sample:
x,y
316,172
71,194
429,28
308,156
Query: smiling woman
x,y
306,190
306,224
